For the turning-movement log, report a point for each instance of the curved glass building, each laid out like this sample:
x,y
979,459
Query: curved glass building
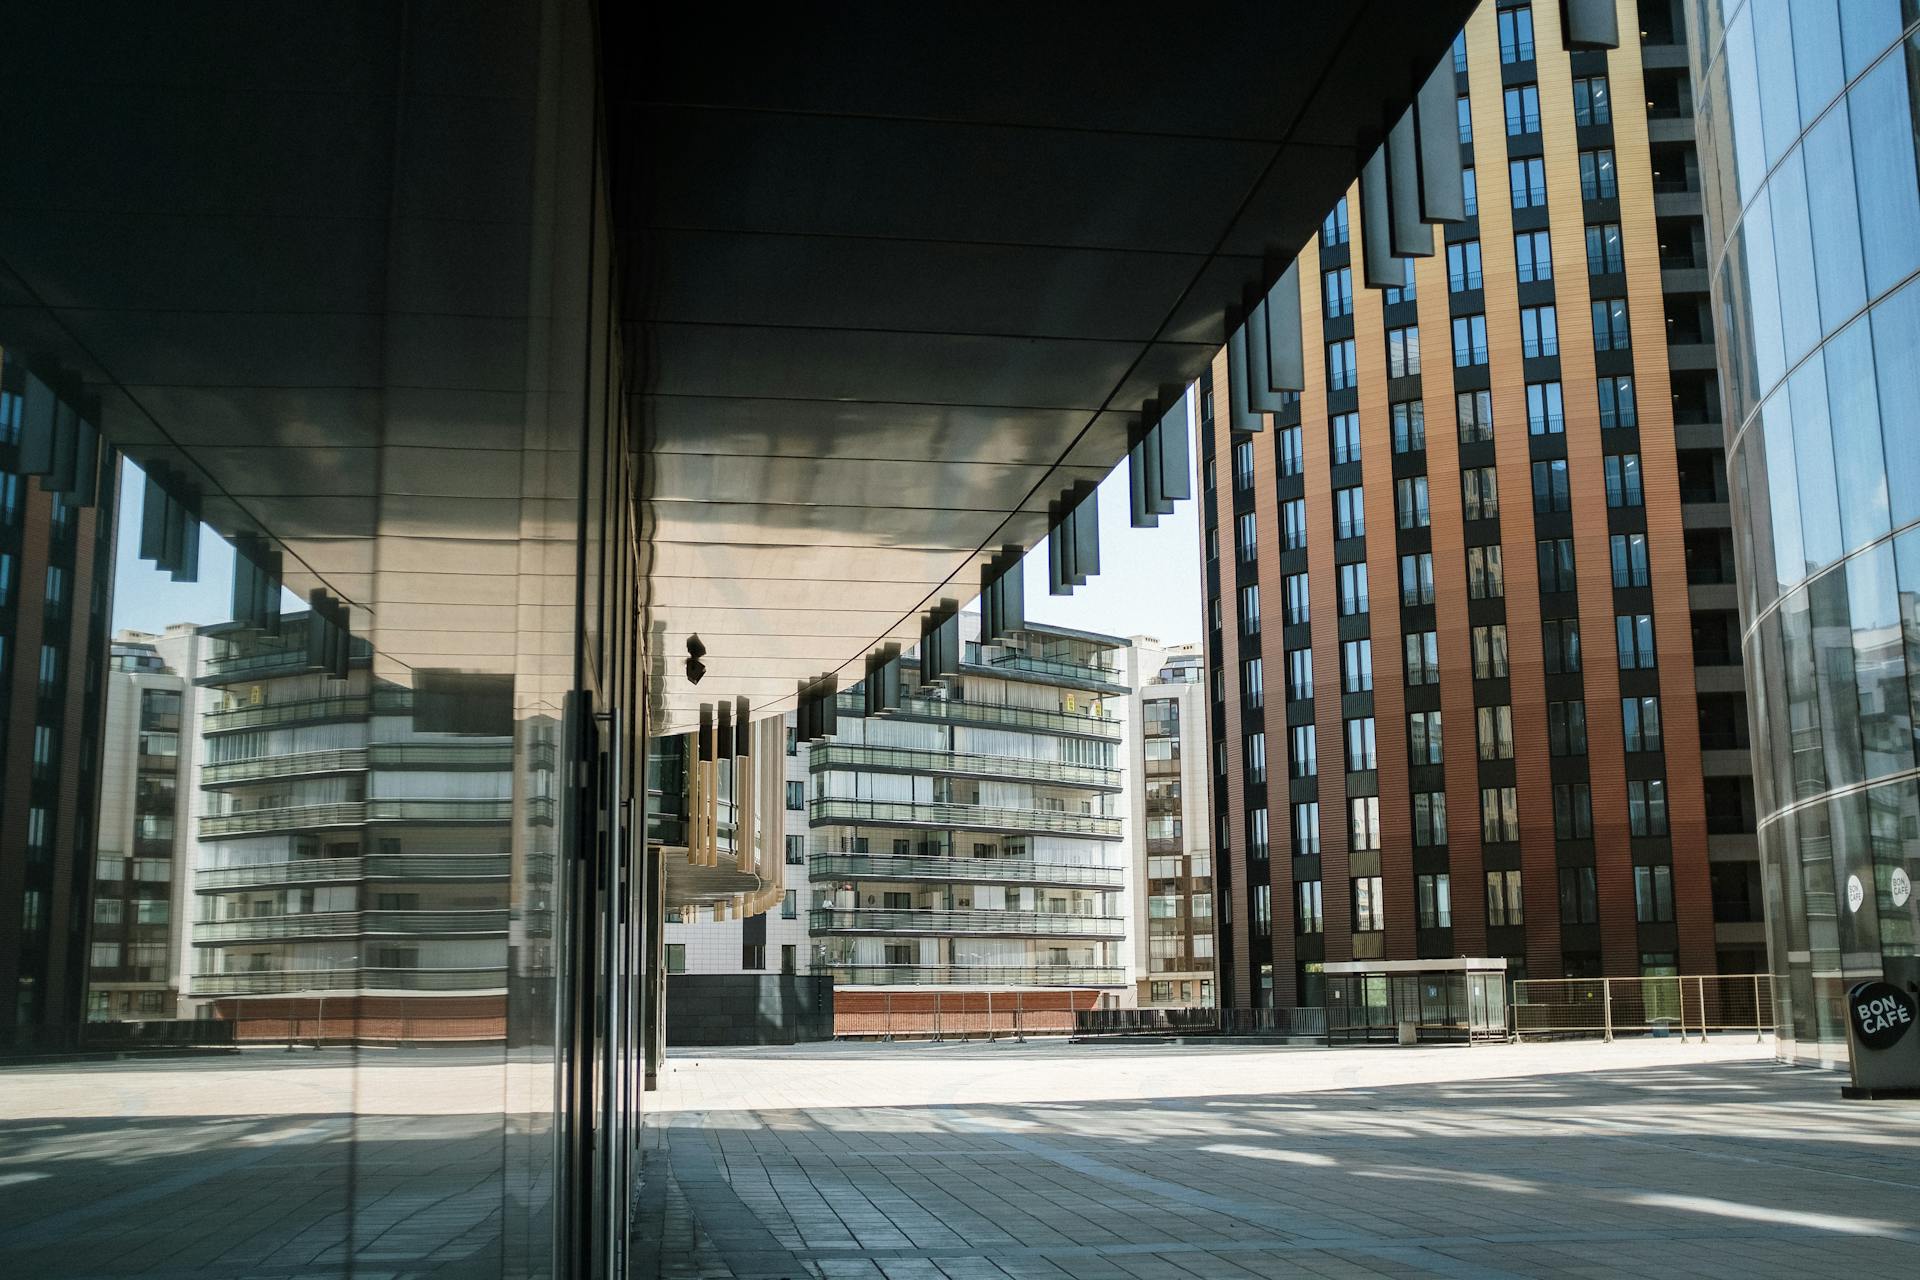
x,y
1809,135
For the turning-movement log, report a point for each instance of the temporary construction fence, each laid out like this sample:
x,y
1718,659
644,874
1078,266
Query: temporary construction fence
x,y
957,1015
1685,1005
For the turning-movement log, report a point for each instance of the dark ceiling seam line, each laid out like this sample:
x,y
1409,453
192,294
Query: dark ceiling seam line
x,y
789,327
53,314
890,404
1226,234
884,237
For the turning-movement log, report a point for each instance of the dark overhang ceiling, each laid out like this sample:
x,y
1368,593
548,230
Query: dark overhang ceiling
x,y
897,276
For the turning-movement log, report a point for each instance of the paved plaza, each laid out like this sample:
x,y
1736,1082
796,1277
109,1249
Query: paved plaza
x,y
1161,1162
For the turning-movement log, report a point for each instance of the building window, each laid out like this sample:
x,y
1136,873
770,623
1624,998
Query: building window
x,y
1364,822
1416,579
1550,487
1350,513
1403,351
1623,480
1353,589
1333,232
1485,578
1460,54
1579,898
796,850
1369,905
1339,288
789,958
1567,728
1470,191
1610,325
1402,292
1302,758
1533,256
1572,811
1494,731
1256,833
1463,266
1243,466
1262,909
1294,588
1499,815
1604,255
1480,490
1523,110
1591,103
796,795
1423,735
1306,829
1473,410
1556,564
1360,745
1630,560
1469,341
1255,750
49,670
1528,180
103,955
1423,657
1597,178
1539,332
1633,635
1307,908
1246,536
1344,429
1652,894
1545,413
1299,674
790,905
1433,901
1340,367
1647,807
1293,525
1356,666
1616,402
1503,899
1490,652
1292,451
1410,502
676,957
1561,645
1516,35
1429,818
753,955
1253,694
1250,610
1463,116
1409,426
1640,723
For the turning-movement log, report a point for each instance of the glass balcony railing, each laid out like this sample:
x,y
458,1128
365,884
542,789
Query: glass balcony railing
x,y
919,975
1038,924
283,981
849,866
353,813
295,765
338,924
1046,668
959,711
848,755
337,870
966,817
306,710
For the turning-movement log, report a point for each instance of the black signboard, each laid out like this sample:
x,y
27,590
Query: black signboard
x,y
1881,1013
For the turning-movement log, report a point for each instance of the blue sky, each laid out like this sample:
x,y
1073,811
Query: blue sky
x,y
145,599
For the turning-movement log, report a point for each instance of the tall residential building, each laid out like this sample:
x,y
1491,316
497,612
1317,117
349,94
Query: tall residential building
x,y
1170,828
354,846
971,838
1808,132
143,864
1460,566
56,588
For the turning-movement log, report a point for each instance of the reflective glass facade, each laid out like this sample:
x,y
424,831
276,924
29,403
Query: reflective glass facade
x,y
1808,142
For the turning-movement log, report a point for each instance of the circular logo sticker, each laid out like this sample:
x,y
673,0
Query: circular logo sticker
x,y
1902,886
1855,893
1881,1013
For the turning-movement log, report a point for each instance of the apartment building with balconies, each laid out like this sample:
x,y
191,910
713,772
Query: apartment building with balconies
x,y
1170,837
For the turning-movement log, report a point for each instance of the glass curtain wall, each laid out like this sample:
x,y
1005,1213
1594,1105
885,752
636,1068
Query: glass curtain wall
x,y
1809,137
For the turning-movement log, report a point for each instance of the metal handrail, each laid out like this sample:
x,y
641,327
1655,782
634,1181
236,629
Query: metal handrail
x,y
841,866
963,763
333,924
892,975
347,707
1102,676
960,711
353,813
426,866
254,768
282,981
970,817
894,920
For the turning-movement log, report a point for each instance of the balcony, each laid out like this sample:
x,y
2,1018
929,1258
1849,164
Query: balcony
x,y
1002,924
305,711
302,764
340,870
286,981
969,975
349,924
856,866
959,711
964,817
308,817
278,662
848,755
1045,670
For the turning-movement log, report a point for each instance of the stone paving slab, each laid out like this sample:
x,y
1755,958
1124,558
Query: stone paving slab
x,y
1175,1162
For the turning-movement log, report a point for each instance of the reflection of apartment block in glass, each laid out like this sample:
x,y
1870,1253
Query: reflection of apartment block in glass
x,y
1170,839
354,847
